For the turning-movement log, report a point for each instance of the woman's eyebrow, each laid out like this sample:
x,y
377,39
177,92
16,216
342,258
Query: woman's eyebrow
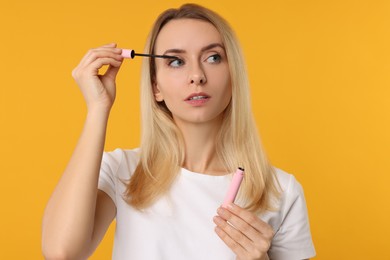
x,y
212,45
178,51
206,48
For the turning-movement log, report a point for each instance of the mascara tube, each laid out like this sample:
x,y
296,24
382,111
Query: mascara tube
x,y
234,187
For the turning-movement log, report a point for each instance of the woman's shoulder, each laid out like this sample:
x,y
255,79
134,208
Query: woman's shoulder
x,y
289,185
119,154
121,161
290,205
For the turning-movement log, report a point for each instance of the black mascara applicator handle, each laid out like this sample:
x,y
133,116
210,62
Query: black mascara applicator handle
x,y
126,53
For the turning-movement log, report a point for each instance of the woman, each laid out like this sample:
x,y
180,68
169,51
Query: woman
x,y
197,129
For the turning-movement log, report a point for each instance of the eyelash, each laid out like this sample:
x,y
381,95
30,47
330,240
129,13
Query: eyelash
x,y
216,56
174,60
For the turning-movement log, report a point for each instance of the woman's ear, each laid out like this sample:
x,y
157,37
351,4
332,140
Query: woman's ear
x,y
157,93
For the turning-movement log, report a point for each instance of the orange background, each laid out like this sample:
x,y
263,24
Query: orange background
x,y
319,73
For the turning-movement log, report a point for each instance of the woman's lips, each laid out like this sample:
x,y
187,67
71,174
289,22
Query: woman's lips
x,y
197,99
195,96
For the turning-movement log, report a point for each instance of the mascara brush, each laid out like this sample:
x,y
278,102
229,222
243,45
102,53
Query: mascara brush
x,y
131,54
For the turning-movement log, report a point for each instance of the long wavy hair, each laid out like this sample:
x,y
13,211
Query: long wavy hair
x,y
162,145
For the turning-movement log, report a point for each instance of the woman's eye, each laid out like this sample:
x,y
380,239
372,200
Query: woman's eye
x,y
216,58
176,63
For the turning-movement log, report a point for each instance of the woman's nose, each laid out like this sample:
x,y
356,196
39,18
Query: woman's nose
x,y
197,76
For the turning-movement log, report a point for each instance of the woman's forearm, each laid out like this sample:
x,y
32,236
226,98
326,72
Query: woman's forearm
x,y
69,217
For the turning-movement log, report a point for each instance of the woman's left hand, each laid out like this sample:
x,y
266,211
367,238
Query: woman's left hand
x,y
243,232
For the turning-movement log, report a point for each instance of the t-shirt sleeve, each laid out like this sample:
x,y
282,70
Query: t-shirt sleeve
x,y
108,173
293,241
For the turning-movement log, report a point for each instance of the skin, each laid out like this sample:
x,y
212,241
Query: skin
x,y
78,214
201,67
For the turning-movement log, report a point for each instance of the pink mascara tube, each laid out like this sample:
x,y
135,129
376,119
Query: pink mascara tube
x,y
234,187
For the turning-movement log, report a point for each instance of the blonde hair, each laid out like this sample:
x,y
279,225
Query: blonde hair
x,y
238,144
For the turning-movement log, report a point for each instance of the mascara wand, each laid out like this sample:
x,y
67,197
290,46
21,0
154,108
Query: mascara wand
x,y
131,54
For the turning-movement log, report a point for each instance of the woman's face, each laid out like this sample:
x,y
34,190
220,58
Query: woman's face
x,y
196,86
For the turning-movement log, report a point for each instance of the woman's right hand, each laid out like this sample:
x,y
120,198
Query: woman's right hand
x,y
99,90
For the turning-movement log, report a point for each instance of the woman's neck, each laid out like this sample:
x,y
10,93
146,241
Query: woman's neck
x,y
200,148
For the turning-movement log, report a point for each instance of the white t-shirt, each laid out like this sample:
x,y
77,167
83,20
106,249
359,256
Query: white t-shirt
x,y
180,224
